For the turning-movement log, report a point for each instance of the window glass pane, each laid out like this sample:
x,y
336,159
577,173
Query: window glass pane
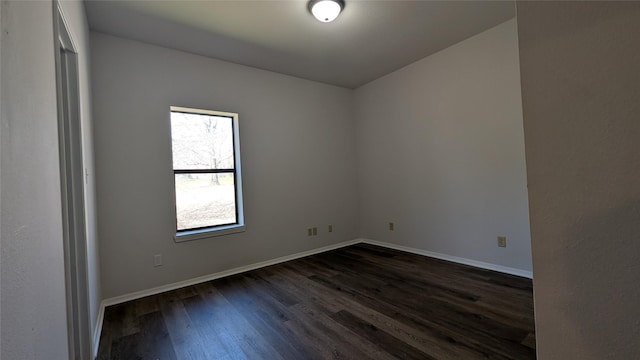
x,y
204,200
201,141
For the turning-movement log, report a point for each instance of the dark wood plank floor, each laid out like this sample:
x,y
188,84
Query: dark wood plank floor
x,y
358,302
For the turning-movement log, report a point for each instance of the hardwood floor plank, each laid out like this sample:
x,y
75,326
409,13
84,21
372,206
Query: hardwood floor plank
x,y
146,305
266,316
325,339
431,342
186,340
281,296
124,348
151,342
530,341
379,337
230,322
211,333
358,302
414,312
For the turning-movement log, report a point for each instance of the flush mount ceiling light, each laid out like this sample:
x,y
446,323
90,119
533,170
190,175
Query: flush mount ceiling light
x,y
326,10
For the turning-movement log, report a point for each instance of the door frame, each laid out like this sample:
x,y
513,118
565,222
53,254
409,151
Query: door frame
x,y
72,188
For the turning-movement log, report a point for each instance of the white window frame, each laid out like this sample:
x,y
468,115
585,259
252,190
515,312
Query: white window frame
x,y
219,230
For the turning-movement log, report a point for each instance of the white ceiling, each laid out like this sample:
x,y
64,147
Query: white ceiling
x,y
368,40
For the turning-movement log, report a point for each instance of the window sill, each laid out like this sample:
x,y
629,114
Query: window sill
x,y
208,233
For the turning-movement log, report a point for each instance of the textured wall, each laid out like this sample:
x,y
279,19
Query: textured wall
x,y
441,153
581,101
33,317
298,158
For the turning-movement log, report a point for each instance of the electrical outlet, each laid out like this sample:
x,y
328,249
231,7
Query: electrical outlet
x,y
330,228
315,231
157,260
309,232
392,226
502,241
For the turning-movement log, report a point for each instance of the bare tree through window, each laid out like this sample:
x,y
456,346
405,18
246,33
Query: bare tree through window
x,y
204,169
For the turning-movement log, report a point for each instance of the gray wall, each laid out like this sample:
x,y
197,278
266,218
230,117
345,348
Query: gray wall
x,y
298,156
33,311
441,153
33,288
581,102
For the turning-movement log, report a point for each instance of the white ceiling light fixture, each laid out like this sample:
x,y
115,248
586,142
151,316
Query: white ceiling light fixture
x,y
326,10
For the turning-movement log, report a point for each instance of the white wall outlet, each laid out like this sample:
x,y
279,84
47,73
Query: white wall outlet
x,y
330,228
315,231
392,226
309,232
157,260
502,241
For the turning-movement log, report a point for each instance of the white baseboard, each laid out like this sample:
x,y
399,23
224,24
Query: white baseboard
x,y
97,331
459,260
177,285
160,289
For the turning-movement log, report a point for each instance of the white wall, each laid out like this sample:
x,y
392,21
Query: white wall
x,y
581,91
441,153
298,158
33,307
73,11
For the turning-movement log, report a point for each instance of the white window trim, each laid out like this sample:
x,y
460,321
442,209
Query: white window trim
x,y
215,231
189,235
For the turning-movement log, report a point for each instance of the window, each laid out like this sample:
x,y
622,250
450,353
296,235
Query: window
x,y
206,168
